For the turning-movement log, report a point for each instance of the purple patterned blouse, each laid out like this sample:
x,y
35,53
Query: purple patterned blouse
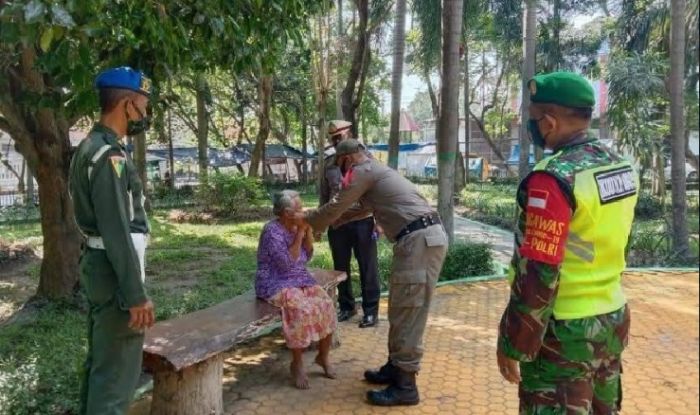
x,y
276,269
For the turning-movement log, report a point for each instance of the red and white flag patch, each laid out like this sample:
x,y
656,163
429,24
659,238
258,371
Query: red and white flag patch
x,y
537,198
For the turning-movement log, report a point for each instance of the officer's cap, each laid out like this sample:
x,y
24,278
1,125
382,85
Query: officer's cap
x,y
337,127
349,146
124,77
567,89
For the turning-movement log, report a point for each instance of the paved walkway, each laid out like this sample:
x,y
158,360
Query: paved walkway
x,y
501,241
459,374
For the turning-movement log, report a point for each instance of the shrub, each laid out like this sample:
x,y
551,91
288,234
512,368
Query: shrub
x,y
648,207
467,260
231,193
509,181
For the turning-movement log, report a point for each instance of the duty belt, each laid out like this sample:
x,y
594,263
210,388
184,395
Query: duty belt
x,y
95,242
418,224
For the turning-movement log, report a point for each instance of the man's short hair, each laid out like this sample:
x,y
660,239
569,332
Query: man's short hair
x,y
581,113
110,97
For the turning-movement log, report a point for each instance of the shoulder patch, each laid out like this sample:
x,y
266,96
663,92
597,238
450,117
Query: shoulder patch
x,y
117,164
615,184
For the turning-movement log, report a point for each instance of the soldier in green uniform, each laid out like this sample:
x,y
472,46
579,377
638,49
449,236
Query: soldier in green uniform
x,y
108,199
420,246
567,322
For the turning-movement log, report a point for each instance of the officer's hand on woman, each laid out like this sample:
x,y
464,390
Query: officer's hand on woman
x,y
142,316
510,369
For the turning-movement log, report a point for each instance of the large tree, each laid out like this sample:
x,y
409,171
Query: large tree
x,y
371,14
449,111
49,57
528,71
678,138
396,80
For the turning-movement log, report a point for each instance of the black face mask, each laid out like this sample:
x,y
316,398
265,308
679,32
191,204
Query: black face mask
x,y
536,136
136,127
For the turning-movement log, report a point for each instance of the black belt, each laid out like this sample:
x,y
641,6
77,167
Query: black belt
x,y
418,224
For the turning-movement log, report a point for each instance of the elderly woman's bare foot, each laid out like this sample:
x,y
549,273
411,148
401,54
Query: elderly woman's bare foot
x,y
328,370
301,380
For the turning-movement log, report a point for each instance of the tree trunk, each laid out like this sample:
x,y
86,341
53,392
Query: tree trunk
x,y
658,184
396,78
556,35
467,119
195,390
449,111
360,61
434,104
678,143
304,144
41,137
339,62
30,184
529,28
171,152
59,269
460,172
139,156
265,99
202,129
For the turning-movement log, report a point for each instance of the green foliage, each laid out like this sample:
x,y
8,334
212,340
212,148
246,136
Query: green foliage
x,y
650,244
638,106
19,213
74,39
498,124
40,362
231,192
649,207
493,204
420,107
165,197
467,260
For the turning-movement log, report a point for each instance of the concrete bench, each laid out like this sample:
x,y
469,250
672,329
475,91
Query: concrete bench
x,y
185,354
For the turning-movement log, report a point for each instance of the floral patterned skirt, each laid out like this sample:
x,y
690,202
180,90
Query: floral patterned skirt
x,y
308,314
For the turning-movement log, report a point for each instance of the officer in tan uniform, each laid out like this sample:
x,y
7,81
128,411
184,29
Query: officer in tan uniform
x,y
419,251
354,232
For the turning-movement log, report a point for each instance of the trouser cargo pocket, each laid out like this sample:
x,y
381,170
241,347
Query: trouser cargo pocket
x,y
408,288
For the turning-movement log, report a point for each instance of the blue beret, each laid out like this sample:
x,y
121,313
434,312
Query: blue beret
x,y
124,77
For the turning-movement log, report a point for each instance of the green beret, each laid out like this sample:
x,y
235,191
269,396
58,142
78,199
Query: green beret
x,y
349,146
567,89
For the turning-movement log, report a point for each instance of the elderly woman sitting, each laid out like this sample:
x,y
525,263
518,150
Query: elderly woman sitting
x,y
308,313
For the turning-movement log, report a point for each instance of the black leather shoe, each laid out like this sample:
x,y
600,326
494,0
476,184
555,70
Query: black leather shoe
x,y
370,320
344,315
402,392
383,376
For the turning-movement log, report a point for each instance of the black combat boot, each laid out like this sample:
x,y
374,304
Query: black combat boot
x,y
403,391
383,376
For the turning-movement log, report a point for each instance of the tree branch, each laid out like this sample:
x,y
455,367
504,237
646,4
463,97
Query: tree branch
x,y
181,113
488,139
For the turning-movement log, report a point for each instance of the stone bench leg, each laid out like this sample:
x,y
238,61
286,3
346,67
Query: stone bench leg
x,y
195,390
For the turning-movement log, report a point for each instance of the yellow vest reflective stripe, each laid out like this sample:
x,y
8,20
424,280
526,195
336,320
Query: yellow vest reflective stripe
x,y
594,258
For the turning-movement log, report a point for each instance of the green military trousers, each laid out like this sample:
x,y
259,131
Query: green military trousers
x,y
113,363
415,269
578,370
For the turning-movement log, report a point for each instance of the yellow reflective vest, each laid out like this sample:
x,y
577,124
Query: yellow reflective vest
x,y
594,257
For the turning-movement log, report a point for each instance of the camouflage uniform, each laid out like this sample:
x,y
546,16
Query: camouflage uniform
x,y
567,366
